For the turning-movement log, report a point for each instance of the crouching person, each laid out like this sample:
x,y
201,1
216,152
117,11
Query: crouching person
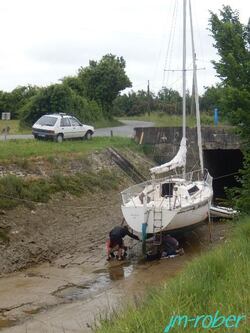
x,y
115,241
170,246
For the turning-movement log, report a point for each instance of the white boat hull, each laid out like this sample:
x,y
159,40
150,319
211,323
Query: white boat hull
x,y
171,220
167,204
190,216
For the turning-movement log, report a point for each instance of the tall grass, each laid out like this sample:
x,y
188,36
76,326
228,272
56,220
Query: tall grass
x,y
219,280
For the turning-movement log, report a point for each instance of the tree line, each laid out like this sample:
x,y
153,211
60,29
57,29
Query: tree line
x,y
89,95
166,101
95,93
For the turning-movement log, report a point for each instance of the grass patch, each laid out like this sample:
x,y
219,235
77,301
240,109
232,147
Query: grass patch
x,y
218,280
15,191
16,149
103,123
14,127
161,119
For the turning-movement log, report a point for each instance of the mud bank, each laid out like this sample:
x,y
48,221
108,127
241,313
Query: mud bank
x,y
67,224
71,293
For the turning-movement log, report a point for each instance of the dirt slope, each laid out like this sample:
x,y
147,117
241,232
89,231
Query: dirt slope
x,y
66,225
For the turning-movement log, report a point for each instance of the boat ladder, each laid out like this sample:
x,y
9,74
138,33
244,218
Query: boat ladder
x,y
157,226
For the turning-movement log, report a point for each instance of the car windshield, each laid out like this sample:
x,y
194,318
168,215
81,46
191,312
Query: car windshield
x,y
47,121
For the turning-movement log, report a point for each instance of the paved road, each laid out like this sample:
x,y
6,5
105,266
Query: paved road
x,y
127,130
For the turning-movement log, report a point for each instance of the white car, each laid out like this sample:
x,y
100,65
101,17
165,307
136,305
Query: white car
x,y
61,126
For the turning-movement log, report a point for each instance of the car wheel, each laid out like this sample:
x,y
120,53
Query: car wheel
x,y
59,138
88,135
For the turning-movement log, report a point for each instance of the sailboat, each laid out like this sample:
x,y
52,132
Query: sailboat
x,y
179,201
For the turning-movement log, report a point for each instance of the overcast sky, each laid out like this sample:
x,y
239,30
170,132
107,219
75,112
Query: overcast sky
x,y
43,41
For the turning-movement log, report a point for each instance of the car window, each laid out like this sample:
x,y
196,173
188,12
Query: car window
x,y
75,122
47,121
65,122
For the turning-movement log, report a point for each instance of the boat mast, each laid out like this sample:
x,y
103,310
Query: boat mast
x,y
197,108
184,78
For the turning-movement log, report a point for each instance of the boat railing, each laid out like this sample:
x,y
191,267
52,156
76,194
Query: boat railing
x,y
135,190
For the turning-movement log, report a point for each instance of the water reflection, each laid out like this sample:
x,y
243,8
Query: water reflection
x,y
119,271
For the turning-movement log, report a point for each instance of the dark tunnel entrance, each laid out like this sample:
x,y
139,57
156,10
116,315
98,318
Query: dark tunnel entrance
x,y
220,163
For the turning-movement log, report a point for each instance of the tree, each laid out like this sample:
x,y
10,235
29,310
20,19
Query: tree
x,y
75,84
134,103
59,98
104,80
122,105
233,68
169,101
14,100
137,103
211,98
232,43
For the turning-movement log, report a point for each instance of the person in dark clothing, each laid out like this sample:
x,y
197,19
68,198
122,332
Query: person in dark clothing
x,y
115,241
170,246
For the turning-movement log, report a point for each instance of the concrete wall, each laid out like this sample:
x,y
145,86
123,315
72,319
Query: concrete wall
x,y
213,137
166,140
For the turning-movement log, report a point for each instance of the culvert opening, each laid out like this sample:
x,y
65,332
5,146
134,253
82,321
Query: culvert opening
x,y
223,165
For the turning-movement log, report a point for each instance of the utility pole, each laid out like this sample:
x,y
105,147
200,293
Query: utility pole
x,y
148,96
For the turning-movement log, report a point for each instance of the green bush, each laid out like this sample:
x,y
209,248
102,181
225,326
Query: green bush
x,y
58,98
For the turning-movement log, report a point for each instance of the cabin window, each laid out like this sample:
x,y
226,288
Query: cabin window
x,y
193,190
167,189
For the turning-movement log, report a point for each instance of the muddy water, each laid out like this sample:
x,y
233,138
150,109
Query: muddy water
x,y
72,293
